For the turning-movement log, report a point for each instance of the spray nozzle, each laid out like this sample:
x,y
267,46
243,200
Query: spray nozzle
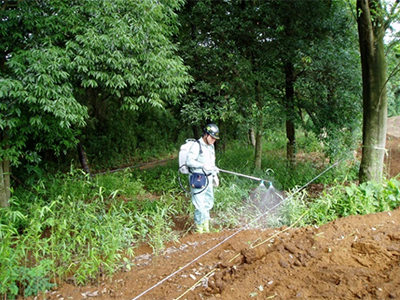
x,y
269,172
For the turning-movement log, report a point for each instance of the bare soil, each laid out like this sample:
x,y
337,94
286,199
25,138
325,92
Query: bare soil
x,y
357,257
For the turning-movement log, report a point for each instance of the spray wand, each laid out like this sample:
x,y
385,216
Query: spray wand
x,y
246,176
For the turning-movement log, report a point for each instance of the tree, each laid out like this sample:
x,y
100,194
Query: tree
x,y
328,92
206,48
231,61
302,30
66,63
270,56
371,28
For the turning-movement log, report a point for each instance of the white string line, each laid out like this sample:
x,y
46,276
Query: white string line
x,y
232,235
189,263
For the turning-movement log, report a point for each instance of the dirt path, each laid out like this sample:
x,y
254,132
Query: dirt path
x,y
357,257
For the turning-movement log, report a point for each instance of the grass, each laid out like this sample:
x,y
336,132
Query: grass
x,y
89,227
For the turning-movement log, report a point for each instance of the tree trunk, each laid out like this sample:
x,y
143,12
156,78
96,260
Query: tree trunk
x,y
5,174
221,144
83,158
259,127
258,149
371,32
289,106
5,183
196,132
252,138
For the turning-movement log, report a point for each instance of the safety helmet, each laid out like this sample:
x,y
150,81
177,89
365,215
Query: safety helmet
x,y
212,130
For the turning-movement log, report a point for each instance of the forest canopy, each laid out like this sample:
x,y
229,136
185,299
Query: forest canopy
x,y
123,81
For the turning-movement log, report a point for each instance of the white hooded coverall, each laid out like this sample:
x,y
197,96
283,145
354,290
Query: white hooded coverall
x,y
196,160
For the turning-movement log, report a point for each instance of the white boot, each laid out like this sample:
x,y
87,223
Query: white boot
x,y
200,228
206,226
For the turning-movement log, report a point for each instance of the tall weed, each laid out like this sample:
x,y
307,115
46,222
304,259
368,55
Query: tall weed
x,y
342,200
77,225
17,273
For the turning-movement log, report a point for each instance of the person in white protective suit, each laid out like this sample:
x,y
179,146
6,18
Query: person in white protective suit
x,y
201,159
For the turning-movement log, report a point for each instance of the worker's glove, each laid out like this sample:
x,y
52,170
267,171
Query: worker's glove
x,y
215,181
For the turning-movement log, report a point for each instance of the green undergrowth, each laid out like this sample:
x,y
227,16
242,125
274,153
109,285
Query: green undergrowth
x,y
87,228
342,200
75,226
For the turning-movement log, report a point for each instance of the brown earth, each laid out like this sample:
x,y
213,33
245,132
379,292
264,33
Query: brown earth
x,y
357,257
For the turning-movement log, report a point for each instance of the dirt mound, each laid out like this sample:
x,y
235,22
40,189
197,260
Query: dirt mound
x,y
392,157
393,127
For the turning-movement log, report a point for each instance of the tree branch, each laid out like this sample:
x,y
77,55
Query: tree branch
x,y
8,4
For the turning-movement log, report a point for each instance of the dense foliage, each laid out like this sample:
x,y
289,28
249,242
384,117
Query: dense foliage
x,y
72,71
256,67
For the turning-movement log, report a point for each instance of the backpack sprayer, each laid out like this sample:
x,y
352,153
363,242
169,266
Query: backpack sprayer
x,y
183,168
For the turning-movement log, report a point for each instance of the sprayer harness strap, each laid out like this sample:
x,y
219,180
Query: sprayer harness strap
x,y
200,152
